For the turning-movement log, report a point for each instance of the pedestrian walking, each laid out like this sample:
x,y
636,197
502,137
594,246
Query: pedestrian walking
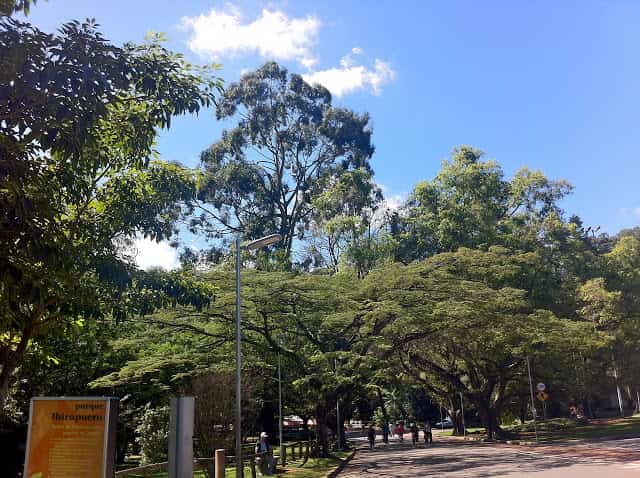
x,y
428,435
414,434
400,431
371,435
385,433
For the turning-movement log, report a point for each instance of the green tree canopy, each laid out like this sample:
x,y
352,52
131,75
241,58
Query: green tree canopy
x,y
289,146
470,204
78,179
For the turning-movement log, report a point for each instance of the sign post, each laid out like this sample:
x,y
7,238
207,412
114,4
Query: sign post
x,y
533,405
71,437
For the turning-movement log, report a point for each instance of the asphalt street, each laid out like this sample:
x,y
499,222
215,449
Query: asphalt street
x,y
449,458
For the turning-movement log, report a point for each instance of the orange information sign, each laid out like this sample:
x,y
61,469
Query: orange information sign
x,y
71,438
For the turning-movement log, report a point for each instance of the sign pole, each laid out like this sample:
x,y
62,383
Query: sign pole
x,y
533,405
464,427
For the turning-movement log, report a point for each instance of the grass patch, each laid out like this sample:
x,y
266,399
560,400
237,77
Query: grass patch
x,y
565,429
313,468
562,430
316,467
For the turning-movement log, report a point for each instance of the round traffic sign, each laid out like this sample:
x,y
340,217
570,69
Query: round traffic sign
x,y
541,387
542,396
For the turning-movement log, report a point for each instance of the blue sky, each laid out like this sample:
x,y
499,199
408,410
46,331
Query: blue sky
x,y
551,85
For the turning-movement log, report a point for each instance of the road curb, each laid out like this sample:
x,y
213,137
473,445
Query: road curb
x,y
334,473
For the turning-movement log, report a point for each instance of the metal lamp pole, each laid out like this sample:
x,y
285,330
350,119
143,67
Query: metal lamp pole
x,y
282,457
253,245
239,466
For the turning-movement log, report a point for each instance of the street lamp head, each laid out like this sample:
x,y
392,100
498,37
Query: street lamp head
x,y
263,242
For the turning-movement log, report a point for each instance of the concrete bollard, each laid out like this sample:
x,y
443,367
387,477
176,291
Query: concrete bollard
x,y
221,463
181,437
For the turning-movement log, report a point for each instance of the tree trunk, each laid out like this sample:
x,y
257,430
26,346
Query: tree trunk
x,y
523,410
322,429
383,407
456,419
9,366
305,426
343,436
489,415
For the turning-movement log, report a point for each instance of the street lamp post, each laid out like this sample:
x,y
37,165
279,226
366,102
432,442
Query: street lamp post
x,y
253,245
282,457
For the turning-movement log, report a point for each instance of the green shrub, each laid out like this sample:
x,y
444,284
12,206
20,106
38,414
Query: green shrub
x,y
153,434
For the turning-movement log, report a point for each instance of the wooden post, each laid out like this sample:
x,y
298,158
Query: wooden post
x,y
221,463
293,452
300,449
283,458
252,465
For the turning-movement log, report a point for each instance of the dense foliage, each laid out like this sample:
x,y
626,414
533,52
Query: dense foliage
x,y
390,314
79,181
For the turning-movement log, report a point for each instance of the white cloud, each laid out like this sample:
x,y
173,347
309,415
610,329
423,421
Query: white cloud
x,y
633,212
391,203
275,35
272,35
152,254
309,62
350,76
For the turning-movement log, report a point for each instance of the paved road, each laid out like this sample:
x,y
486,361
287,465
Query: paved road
x,y
455,458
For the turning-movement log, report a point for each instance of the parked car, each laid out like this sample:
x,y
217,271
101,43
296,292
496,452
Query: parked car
x,y
446,423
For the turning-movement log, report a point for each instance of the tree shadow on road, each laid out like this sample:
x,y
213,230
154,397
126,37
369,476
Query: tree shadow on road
x,y
452,460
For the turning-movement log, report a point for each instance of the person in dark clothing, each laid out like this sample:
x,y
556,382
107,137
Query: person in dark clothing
x,y
371,435
385,433
428,436
414,434
264,456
